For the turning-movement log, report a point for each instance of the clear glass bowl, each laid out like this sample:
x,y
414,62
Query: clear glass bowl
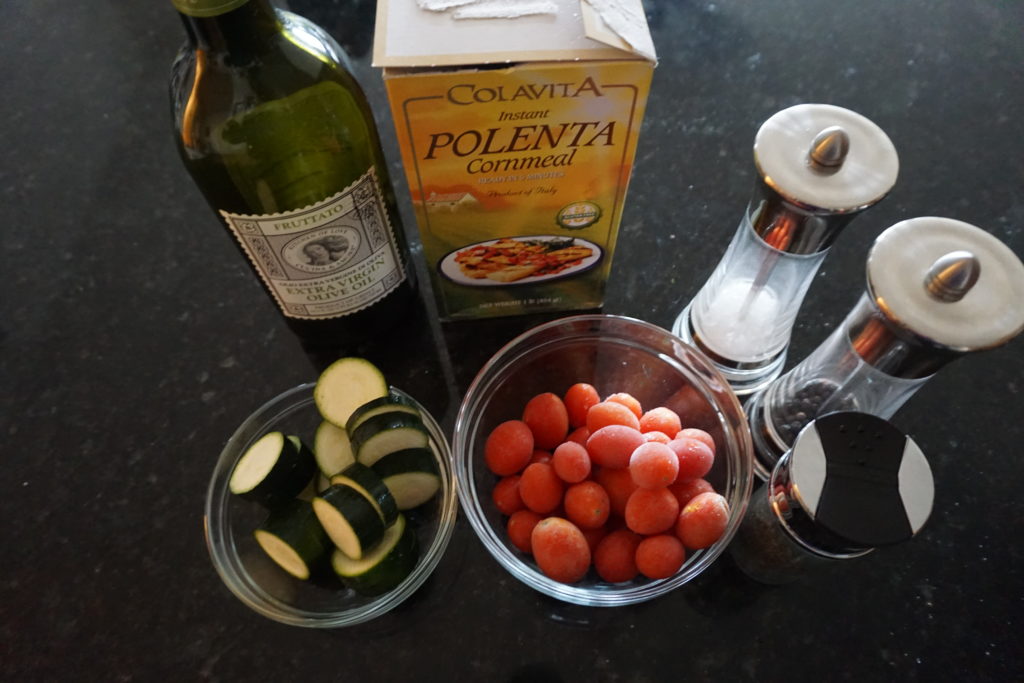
x,y
614,354
261,584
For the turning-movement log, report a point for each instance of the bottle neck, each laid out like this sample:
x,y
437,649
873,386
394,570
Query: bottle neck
x,y
238,32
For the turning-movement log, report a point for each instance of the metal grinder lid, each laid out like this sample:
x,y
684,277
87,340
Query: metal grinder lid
x,y
862,479
947,282
826,158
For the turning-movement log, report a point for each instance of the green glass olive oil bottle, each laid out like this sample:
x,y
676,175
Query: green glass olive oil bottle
x,y
280,139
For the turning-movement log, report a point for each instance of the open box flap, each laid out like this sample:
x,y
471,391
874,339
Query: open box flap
x,y
408,36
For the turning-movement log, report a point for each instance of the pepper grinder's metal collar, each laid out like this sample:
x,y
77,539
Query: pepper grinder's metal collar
x,y
819,166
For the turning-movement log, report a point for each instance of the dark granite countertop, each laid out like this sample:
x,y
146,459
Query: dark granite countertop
x,y
134,339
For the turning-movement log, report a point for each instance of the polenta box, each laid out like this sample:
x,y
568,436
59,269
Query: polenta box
x,y
517,138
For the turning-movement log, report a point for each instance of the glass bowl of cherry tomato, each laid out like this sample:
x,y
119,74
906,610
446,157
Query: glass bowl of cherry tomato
x,y
602,460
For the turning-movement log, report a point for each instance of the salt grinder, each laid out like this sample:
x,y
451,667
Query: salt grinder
x,y
851,483
937,289
819,166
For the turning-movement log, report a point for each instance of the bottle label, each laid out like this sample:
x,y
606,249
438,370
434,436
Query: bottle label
x,y
327,260
206,8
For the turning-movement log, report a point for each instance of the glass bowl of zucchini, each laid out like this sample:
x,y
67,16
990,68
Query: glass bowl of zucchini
x,y
333,502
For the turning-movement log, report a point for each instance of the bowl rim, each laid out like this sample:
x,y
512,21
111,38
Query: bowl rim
x,y
228,564
695,364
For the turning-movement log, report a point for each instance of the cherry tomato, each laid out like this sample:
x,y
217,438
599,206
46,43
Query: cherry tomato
x,y
560,549
508,447
547,418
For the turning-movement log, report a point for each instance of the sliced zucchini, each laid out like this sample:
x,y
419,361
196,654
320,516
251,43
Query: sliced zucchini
x,y
411,475
311,489
387,433
383,568
317,485
273,470
393,402
346,384
305,452
349,519
366,482
332,449
294,539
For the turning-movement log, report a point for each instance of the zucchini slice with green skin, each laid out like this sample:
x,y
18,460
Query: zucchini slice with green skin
x,y
349,519
393,402
310,490
317,485
305,452
411,475
365,481
383,434
275,469
294,539
346,384
383,568
332,449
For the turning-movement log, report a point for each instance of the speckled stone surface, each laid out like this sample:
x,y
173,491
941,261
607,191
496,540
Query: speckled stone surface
x,y
133,339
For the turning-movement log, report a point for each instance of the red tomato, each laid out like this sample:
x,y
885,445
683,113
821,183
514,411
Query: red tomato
x,y
615,556
587,505
684,491
695,458
653,465
700,435
578,400
540,488
703,520
660,420
611,413
560,549
579,435
629,401
612,446
547,418
594,537
508,448
660,556
520,528
660,437
651,511
539,456
506,495
571,462
619,485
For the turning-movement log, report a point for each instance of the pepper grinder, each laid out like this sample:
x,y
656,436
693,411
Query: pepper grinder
x,y
819,166
851,483
937,289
